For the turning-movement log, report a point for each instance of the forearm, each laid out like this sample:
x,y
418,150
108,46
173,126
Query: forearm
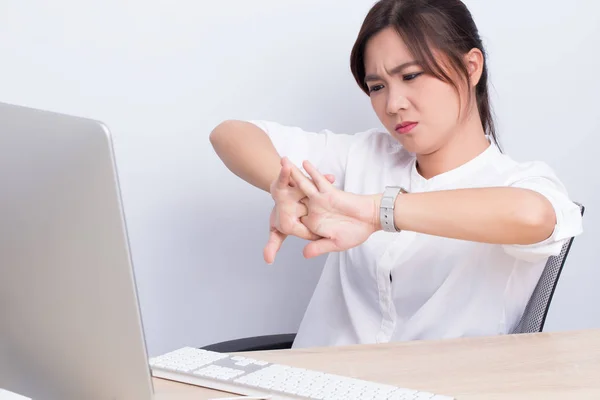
x,y
247,151
492,215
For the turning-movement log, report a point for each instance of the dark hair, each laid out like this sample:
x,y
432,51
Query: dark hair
x,y
444,25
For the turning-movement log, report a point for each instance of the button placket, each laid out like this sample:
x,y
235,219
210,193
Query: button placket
x,y
384,285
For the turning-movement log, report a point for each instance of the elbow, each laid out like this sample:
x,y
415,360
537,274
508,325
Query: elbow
x,y
538,218
219,133
226,136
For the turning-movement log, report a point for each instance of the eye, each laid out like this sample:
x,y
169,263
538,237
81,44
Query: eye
x,y
375,88
411,77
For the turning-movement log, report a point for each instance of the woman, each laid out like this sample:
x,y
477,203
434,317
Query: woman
x,y
432,232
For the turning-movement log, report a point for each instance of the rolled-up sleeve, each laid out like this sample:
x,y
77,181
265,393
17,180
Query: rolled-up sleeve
x,y
326,150
539,177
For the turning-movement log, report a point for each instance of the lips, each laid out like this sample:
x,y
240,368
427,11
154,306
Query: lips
x,y
406,126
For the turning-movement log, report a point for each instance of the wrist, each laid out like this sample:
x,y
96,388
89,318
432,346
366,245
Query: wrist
x,y
376,205
387,207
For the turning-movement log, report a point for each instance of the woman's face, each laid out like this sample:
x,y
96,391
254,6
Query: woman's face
x,y
419,110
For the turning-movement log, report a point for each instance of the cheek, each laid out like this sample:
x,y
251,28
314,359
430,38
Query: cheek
x,y
378,102
440,102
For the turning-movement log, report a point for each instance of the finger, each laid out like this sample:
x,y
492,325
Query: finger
x,y
303,182
276,238
319,247
284,162
329,177
302,231
284,175
293,226
306,223
320,181
299,194
298,228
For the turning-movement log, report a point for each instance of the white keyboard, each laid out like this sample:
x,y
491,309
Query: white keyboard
x,y
6,395
250,377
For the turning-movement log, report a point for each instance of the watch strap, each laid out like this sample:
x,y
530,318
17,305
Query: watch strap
x,y
386,208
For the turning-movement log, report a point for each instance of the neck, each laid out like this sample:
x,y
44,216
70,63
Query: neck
x,y
467,142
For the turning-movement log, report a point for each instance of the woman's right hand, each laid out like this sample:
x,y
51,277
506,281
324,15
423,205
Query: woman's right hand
x,y
286,214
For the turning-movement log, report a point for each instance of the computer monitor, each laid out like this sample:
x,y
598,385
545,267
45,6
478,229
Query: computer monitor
x,y
70,323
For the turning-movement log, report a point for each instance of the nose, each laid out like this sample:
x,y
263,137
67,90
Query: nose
x,y
396,102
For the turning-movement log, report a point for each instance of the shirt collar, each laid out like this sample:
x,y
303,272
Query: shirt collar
x,y
446,178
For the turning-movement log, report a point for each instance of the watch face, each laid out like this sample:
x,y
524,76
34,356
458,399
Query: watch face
x,y
389,190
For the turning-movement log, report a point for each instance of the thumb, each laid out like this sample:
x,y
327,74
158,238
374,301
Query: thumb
x,y
276,238
319,247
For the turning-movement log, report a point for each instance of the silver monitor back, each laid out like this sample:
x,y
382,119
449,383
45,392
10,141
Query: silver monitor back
x,y
70,325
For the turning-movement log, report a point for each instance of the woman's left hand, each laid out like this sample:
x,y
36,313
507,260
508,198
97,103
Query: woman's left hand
x,y
343,220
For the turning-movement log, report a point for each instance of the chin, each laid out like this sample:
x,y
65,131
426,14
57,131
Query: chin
x,y
407,141
412,144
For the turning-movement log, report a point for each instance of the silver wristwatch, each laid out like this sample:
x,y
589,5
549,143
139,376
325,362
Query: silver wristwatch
x,y
386,208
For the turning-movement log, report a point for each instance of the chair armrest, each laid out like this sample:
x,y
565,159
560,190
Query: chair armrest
x,y
256,343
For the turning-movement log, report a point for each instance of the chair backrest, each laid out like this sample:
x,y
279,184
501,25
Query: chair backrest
x,y
534,316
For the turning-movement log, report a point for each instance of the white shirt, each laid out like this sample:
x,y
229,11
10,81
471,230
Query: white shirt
x,y
440,287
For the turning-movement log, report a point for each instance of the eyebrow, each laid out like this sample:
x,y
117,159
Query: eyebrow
x,y
394,71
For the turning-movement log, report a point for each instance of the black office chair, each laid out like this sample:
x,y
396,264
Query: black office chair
x,y
534,315
256,343
532,320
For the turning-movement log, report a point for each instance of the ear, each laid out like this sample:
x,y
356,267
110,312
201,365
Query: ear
x,y
474,63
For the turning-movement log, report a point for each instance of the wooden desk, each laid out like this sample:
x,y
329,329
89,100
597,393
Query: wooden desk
x,y
548,366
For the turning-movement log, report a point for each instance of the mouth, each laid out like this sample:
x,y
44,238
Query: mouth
x,y
406,127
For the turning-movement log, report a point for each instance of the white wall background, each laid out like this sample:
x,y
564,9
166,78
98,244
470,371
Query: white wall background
x,y
162,74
